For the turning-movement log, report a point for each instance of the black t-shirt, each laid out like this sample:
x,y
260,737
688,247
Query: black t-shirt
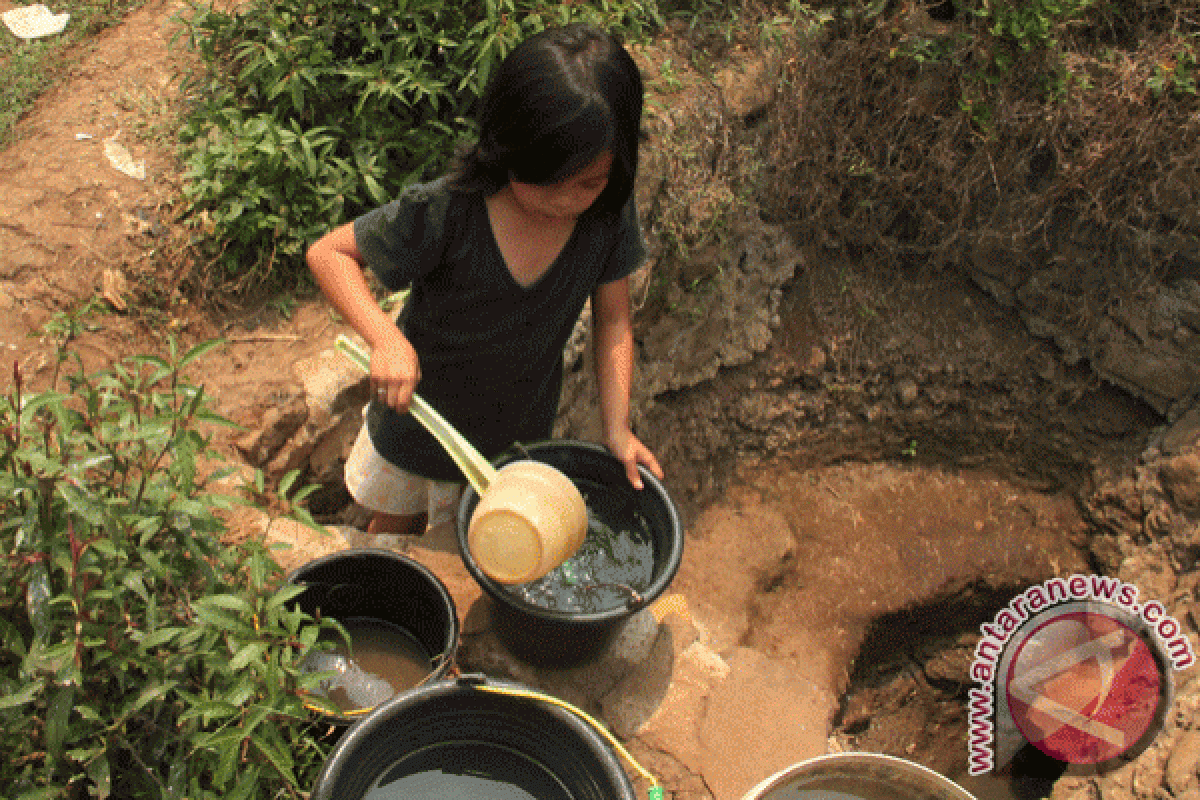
x,y
490,350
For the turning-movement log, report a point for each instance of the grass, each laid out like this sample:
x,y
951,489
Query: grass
x,y
28,68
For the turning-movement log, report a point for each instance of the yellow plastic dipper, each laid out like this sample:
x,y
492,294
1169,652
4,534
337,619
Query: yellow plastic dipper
x,y
530,517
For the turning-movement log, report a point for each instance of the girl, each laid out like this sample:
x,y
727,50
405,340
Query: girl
x,y
501,255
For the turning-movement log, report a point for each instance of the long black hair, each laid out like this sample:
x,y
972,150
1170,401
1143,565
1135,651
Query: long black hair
x,y
558,100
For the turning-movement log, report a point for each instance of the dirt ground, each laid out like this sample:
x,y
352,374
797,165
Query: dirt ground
x,y
764,563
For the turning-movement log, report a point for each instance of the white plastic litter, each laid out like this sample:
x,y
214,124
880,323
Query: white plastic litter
x,y
34,22
364,689
122,161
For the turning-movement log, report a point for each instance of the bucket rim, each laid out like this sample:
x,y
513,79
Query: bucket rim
x,y
670,563
379,718
777,779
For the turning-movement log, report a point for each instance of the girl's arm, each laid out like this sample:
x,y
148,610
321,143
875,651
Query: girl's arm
x,y
337,265
612,335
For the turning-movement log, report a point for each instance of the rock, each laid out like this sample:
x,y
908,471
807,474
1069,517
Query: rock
x,y
672,727
278,424
787,701
327,461
585,685
815,364
1075,788
632,643
952,666
292,544
1184,434
1180,477
730,323
1147,773
996,257
1157,373
1182,764
332,383
746,87
640,692
335,391
113,288
907,393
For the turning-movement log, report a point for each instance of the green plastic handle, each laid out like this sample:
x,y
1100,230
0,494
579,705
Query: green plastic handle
x,y
474,466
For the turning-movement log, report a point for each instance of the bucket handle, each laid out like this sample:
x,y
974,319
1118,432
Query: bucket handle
x,y
477,680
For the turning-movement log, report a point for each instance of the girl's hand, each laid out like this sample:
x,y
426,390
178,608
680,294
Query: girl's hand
x,y
631,452
395,371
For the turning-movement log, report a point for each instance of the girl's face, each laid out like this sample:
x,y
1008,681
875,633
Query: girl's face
x,y
568,198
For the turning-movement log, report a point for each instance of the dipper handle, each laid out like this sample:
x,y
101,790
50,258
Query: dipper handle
x,y
474,466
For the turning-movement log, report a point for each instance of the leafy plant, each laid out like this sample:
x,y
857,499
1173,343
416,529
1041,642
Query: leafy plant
x,y
1177,75
1030,23
308,113
140,657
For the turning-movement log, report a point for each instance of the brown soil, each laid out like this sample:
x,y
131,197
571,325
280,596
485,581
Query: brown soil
x,y
785,570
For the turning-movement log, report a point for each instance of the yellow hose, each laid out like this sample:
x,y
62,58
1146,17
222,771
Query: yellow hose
x,y
655,789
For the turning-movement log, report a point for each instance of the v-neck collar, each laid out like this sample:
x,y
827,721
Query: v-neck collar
x,y
499,254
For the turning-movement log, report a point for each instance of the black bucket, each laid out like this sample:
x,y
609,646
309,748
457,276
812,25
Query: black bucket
x,y
463,739
382,585
547,636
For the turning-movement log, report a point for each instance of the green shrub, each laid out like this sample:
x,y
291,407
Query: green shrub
x,y
139,656
308,112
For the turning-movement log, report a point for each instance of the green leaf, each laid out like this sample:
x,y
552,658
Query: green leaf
x,y
285,483
43,659
208,710
256,717
247,785
228,602
49,793
278,757
249,653
87,713
227,761
27,695
199,351
101,776
218,620
285,595
134,582
150,694
57,716
159,637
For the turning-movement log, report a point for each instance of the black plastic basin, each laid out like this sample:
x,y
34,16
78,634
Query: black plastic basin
x,y
386,586
453,730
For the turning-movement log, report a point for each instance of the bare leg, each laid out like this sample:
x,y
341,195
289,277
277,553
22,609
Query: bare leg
x,y
406,525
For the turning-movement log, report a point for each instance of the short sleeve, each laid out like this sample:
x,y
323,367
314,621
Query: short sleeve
x,y
629,249
403,240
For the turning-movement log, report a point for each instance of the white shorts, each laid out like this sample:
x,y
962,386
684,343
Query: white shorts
x,y
379,485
